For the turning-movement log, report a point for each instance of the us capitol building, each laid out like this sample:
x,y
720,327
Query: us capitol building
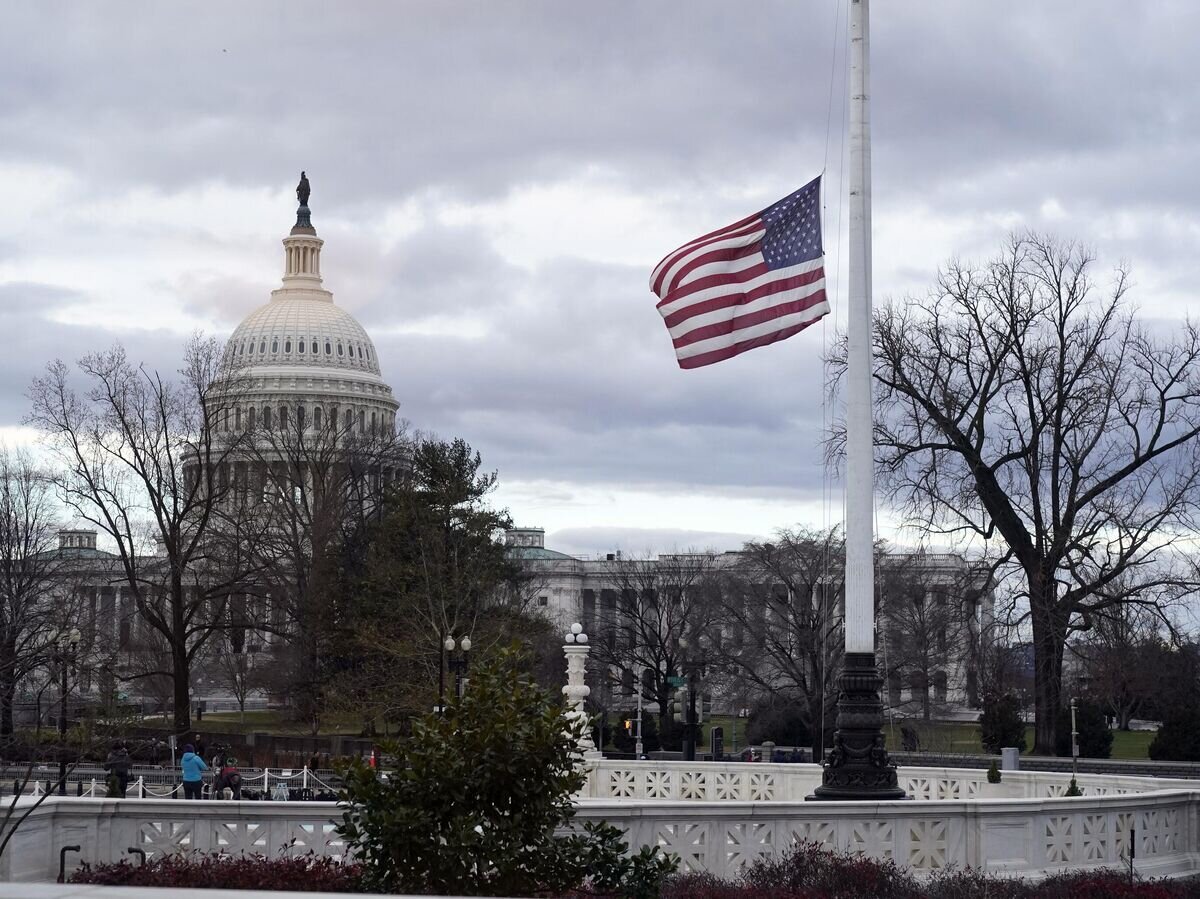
x,y
306,364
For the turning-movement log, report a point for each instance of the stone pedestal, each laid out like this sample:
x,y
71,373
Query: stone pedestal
x,y
858,767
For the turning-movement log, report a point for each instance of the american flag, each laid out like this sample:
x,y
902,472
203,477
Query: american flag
x,y
760,280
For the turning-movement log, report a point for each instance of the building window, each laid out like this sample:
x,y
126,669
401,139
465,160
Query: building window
x,y
349,420
250,416
360,351
316,417
300,345
300,418
543,601
368,354
328,348
939,686
283,418
362,421
262,345
267,417
314,347
287,345
274,344
237,418
340,349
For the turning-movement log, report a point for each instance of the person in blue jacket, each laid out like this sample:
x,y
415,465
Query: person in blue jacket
x,y
193,772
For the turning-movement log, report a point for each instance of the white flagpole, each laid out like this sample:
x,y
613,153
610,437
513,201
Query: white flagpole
x,y
858,767
860,480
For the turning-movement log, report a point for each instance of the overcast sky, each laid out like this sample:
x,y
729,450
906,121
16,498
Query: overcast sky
x,y
494,182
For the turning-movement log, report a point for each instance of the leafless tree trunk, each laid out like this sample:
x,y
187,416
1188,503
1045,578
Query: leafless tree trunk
x,y
146,459
925,620
1020,401
30,568
317,483
1116,660
636,624
781,627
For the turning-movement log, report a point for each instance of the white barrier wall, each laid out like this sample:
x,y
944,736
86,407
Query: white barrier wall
x,y
724,781
716,818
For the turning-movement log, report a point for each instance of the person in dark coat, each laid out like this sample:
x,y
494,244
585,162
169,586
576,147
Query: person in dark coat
x,y
118,765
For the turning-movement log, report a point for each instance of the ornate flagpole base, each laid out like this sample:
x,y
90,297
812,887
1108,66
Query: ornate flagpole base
x,y
858,767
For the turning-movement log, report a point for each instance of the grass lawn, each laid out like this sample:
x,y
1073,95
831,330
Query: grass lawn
x,y
964,738
264,721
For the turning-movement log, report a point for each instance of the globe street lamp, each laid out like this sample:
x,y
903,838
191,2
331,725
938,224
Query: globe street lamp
x,y
458,664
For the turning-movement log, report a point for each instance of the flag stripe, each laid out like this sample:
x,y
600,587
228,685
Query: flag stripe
x,y
742,310
741,237
655,275
719,355
731,283
721,259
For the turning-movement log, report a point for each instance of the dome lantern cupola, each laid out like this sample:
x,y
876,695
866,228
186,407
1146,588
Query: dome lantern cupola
x,y
302,247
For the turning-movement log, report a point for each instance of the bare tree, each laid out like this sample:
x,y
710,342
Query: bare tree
x,y
636,624
926,621
1021,401
1115,660
30,566
780,624
146,459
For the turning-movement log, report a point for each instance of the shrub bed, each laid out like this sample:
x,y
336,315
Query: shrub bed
x,y
806,872
310,873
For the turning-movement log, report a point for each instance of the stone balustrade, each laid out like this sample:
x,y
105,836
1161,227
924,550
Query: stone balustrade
x,y
757,782
716,817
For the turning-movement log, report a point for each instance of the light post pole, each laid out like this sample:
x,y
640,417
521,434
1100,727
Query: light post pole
x,y
637,739
1074,743
441,706
68,645
691,670
459,664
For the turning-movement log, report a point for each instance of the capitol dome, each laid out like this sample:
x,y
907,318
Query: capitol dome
x,y
301,350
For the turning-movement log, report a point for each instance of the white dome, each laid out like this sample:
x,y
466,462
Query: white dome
x,y
301,347
312,333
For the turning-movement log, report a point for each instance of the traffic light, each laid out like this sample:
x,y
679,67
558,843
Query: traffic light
x,y
704,708
679,705
628,725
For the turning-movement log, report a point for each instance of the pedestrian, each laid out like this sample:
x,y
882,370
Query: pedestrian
x,y
118,765
228,779
193,768
198,742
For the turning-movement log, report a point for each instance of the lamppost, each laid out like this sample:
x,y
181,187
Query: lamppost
x,y
637,744
68,645
458,664
692,670
576,690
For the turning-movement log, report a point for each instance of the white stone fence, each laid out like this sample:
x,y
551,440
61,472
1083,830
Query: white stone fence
x,y
755,782
715,817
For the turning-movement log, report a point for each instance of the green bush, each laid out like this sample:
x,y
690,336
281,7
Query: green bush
x,y
479,798
1001,723
1095,739
993,773
1178,739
